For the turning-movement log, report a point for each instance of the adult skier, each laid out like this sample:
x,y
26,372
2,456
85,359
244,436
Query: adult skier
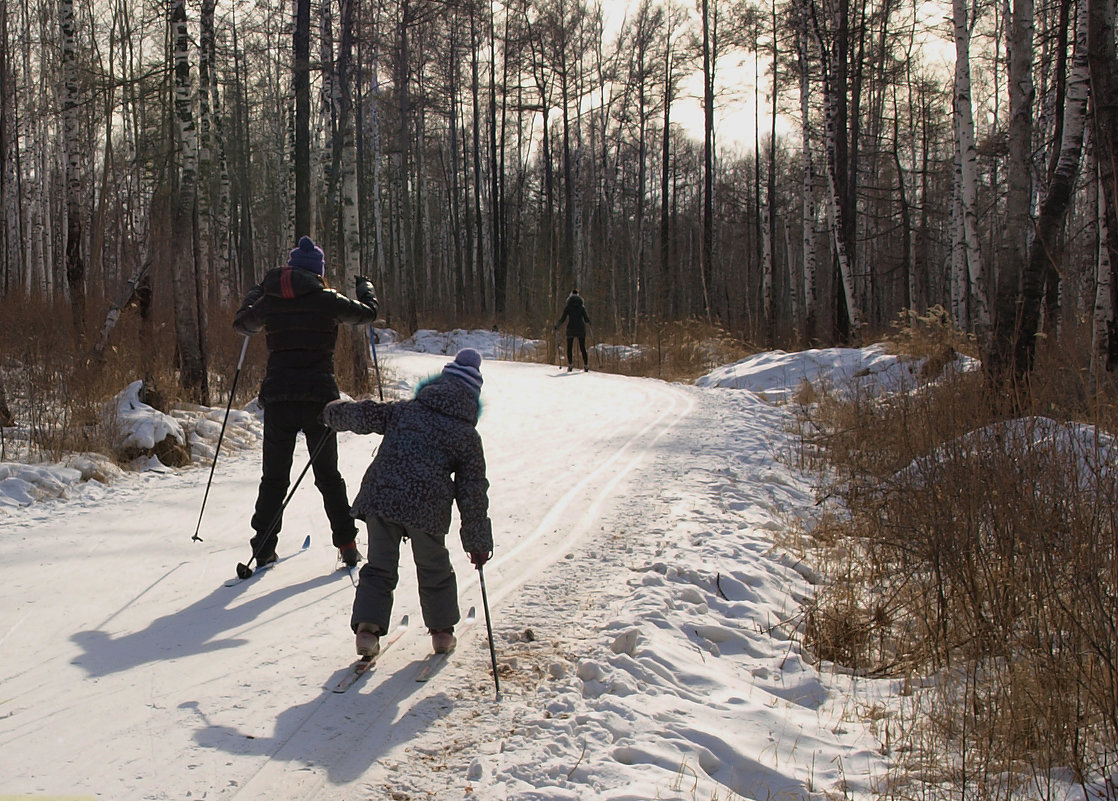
x,y
299,315
577,320
430,458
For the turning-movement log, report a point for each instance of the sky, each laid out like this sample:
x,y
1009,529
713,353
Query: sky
x,y
644,596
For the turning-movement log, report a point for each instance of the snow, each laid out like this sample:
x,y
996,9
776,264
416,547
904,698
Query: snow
x,y
868,371
142,426
642,598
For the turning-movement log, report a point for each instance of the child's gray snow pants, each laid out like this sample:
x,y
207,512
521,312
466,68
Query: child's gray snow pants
x,y
438,588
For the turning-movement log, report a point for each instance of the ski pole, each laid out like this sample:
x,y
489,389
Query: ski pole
x,y
243,570
373,348
220,437
489,628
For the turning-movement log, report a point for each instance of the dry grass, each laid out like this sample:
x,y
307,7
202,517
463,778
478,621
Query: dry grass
x,y
57,389
980,557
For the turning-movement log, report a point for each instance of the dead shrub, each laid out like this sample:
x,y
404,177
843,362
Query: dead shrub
x,y
981,552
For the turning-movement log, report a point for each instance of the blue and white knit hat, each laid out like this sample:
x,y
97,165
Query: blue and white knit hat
x,y
307,256
465,368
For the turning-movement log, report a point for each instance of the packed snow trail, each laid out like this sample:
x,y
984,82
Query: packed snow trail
x,y
598,434
135,673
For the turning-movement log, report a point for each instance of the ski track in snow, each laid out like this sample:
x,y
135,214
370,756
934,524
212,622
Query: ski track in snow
x,y
634,572
594,702
391,723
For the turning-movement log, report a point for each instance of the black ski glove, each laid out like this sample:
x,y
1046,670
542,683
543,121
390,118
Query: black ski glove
x,y
366,293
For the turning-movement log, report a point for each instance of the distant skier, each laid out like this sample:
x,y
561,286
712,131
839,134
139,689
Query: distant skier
x,y
299,315
431,457
577,320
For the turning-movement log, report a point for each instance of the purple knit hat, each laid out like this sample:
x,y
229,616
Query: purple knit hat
x,y
465,368
308,256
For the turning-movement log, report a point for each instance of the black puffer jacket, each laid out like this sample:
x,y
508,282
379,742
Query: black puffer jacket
x,y
575,315
300,318
431,456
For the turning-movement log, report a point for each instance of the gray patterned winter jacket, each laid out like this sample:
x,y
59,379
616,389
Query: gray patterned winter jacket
x,y
431,456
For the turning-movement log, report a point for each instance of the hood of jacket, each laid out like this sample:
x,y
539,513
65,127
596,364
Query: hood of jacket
x,y
451,397
291,282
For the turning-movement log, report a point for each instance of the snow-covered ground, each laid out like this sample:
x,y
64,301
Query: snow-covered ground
x,y
642,605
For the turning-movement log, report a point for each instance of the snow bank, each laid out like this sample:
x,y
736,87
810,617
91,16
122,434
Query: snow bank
x,y
491,344
777,375
141,427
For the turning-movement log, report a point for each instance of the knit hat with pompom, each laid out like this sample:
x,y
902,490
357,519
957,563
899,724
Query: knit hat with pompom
x,y
465,368
307,256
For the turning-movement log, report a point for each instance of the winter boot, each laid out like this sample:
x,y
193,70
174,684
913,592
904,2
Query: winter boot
x,y
350,555
442,641
264,549
368,640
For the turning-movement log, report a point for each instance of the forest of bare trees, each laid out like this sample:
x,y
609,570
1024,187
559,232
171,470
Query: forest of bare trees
x,y
479,160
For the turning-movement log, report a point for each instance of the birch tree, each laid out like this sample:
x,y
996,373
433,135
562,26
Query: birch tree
x,y
11,236
833,67
1102,60
1046,251
301,67
187,280
670,76
1014,248
709,20
73,159
967,258
1102,318
808,325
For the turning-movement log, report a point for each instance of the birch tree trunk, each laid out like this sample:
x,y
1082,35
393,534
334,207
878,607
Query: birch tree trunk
x,y
1103,68
666,274
71,136
187,284
228,287
831,65
498,241
770,187
454,169
807,200
350,224
301,49
1046,252
1103,316
10,200
246,247
350,227
373,124
1014,250
206,256
967,177
330,105
706,250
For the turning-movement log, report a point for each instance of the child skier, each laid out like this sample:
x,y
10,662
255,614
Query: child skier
x,y
431,456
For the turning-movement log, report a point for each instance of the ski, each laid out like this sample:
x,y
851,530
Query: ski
x,y
265,568
435,662
363,664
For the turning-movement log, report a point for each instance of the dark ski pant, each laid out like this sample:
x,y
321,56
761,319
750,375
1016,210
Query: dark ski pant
x,y
283,420
581,346
438,587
